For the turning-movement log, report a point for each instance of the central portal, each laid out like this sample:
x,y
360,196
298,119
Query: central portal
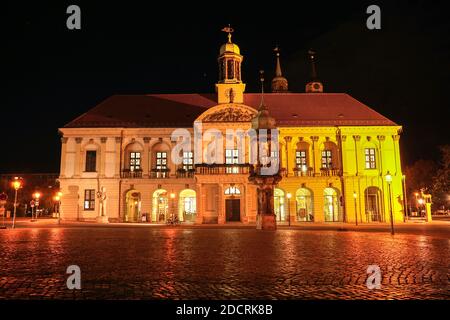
x,y
233,209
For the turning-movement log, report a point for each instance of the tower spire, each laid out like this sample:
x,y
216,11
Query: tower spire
x,y
314,85
279,83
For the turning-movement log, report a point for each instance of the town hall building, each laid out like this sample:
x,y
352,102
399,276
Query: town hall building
x,y
339,159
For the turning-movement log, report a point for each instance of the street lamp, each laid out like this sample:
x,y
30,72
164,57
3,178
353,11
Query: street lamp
x,y
16,185
172,197
355,195
388,178
58,201
35,205
289,196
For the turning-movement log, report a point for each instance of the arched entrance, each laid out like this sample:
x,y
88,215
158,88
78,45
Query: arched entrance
x,y
187,204
160,210
133,203
372,197
278,203
331,205
304,202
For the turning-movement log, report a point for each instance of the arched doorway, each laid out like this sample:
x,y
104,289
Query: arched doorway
x,y
187,205
160,210
278,203
304,202
372,197
133,203
331,205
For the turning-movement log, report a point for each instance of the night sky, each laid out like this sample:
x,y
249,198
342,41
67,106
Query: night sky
x,y
54,74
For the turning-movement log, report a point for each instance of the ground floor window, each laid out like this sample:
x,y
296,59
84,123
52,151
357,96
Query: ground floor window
x,y
89,199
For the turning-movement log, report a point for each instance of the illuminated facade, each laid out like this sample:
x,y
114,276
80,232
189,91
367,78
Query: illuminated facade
x,y
334,154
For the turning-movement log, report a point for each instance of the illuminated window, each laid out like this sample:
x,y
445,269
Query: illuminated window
x,y
232,157
188,160
91,161
161,160
232,191
300,159
89,199
135,161
370,158
326,159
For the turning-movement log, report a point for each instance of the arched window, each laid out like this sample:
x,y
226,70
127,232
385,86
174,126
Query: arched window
x,y
232,191
133,209
331,205
304,203
279,207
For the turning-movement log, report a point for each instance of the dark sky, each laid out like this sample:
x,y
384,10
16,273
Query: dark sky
x,y
54,74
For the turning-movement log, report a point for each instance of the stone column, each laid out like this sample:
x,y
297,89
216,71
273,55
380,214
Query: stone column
x,y
78,160
102,156
145,157
63,157
220,204
118,157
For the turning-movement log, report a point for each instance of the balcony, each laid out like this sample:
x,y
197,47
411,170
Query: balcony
x,y
303,172
211,169
128,174
325,172
159,173
185,174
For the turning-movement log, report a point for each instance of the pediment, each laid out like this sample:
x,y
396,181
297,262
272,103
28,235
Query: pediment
x,y
229,112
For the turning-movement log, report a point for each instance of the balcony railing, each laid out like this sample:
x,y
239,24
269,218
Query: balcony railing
x,y
159,173
128,174
303,172
324,172
185,174
204,169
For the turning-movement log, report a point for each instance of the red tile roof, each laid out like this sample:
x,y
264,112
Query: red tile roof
x,y
180,110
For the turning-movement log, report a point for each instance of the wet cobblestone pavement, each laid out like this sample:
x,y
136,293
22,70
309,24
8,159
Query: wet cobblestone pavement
x,y
204,263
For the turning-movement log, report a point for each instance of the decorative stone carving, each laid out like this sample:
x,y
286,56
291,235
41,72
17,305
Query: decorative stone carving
x,y
64,140
230,114
147,139
118,139
78,140
357,138
103,139
381,138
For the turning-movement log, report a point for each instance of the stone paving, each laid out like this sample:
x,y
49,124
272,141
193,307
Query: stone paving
x,y
212,263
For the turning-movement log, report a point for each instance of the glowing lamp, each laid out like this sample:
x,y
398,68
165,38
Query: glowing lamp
x,y
355,195
16,184
289,195
388,177
172,195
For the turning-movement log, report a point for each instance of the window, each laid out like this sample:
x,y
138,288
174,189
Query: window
x,y
89,199
370,158
300,159
91,161
188,160
232,191
326,159
135,161
232,157
161,160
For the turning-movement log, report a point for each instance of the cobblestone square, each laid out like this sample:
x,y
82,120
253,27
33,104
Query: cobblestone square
x,y
134,262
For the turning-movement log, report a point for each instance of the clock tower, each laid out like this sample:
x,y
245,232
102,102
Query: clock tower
x,y
230,88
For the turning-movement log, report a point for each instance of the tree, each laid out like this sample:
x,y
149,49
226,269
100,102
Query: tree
x,y
441,180
420,175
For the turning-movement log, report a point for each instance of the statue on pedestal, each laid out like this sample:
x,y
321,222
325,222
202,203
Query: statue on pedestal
x,y
101,195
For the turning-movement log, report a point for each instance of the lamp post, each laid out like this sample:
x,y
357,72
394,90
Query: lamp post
x,y
172,210
355,195
16,185
289,196
58,201
36,197
388,178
